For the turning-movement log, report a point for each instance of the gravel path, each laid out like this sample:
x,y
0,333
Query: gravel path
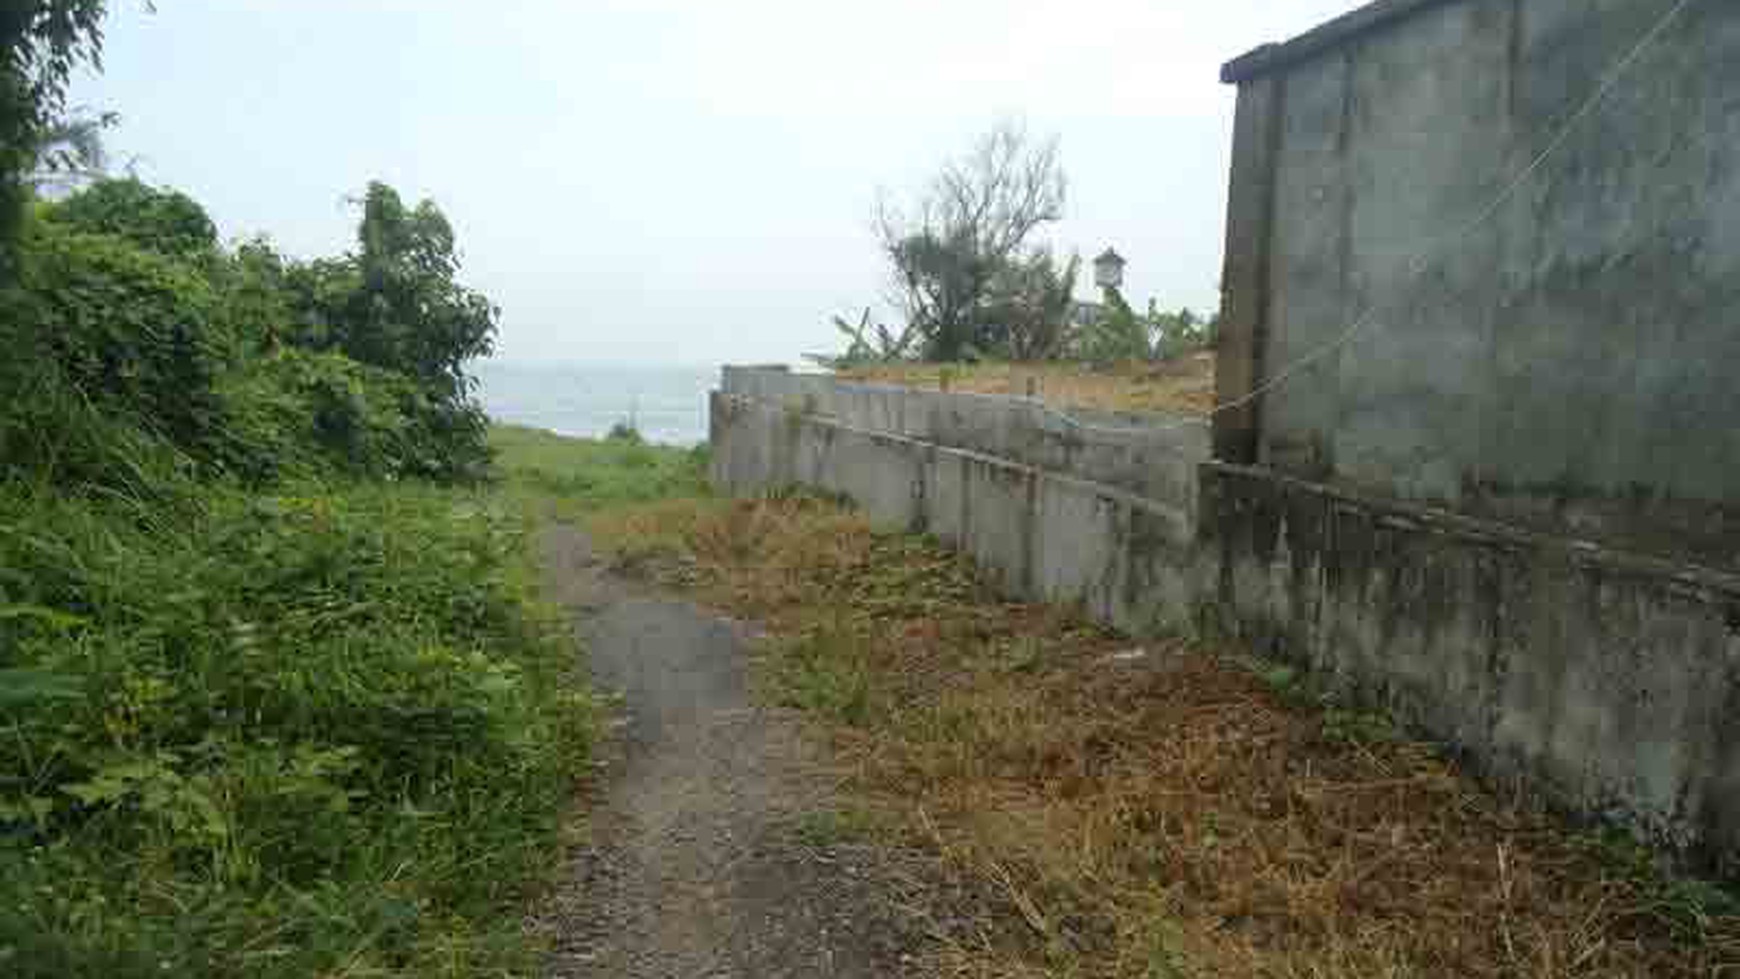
x,y
693,866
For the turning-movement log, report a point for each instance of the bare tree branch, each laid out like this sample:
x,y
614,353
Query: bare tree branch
x,y
969,226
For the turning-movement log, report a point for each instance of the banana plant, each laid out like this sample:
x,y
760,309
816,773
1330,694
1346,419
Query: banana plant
x,y
867,343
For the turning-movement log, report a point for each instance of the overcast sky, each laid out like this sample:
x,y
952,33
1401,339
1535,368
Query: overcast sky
x,y
691,180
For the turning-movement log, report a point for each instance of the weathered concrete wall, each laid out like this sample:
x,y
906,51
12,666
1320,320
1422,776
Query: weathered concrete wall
x,y
1151,456
1567,364
1129,560
1608,682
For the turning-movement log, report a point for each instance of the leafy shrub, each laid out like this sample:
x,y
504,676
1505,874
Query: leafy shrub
x,y
395,303
166,222
298,735
1118,335
299,413
128,331
1121,334
254,298
396,306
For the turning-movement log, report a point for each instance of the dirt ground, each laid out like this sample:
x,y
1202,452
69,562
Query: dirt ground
x,y
701,858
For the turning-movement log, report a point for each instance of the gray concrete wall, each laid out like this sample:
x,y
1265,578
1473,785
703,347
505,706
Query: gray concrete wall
x,y
1606,682
1128,559
1152,456
1569,364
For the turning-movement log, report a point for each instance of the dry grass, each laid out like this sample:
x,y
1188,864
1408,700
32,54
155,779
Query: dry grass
x,y
1185,385
1167,814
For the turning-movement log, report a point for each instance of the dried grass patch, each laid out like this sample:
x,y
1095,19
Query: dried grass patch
x,y
1185,385
1169,814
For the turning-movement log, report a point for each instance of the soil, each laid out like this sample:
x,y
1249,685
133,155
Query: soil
x,y
694,862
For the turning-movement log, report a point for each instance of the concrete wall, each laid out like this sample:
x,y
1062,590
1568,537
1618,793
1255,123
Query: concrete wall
x,y
1567,365
1149,455
1050,533
1607,682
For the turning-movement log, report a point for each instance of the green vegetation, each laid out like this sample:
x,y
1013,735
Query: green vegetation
x,y
972,285
1121,335
41,42
574,475
275,696
276,734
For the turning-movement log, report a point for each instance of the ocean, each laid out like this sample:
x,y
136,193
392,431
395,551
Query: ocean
x,y
667,404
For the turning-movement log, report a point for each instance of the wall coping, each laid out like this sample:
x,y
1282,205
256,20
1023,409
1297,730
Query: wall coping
x,y
1130,425
1271,58
1107,491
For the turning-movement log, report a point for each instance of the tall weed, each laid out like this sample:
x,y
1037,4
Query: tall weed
x,y
314,732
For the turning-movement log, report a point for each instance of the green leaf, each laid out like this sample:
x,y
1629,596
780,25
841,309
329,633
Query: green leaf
x,y
52,618
96,791
20,688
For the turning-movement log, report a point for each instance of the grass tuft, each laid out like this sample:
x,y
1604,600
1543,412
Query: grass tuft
x,y
322,731
579,475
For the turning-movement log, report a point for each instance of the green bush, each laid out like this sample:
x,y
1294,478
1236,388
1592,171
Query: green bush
x,y
104,335
159,220
296,413
312,729
294,735
128,331
254,298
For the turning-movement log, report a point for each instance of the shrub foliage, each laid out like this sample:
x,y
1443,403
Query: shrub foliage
x,y
274,700
292,733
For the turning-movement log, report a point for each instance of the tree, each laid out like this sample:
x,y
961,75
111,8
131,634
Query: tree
x,y
970,225
41,42
1119,334
410,314
393,304
1028,305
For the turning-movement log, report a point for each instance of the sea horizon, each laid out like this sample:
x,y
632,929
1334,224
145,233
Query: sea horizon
x,y
666,403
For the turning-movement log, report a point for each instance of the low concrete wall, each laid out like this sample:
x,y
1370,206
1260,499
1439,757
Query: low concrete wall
x,y
1127,560
1609,683
1152,456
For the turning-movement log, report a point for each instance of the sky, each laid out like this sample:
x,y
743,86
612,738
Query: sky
x,y
654,181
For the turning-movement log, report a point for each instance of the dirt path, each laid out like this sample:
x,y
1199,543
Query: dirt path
x,y
694,865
